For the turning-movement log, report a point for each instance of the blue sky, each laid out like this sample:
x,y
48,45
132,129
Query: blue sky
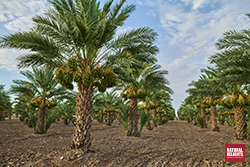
x,y
188,30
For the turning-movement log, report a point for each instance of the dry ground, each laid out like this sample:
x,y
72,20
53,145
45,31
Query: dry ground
x,y
176,143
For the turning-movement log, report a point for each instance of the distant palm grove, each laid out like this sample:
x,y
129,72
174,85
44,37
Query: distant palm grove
x,y
83,70
222,92
75,44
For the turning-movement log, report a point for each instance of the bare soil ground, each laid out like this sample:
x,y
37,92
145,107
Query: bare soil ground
x,y
176,143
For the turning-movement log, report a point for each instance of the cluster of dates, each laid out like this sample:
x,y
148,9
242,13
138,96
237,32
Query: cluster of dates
x,y
130,93
89,76
42,103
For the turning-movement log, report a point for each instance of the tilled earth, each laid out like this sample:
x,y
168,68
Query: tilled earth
x,y
176,143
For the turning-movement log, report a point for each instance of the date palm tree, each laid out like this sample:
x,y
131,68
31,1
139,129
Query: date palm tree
x,y
195,99
5,104
233,62
77,38
185,112
108,101
208,87
158,96
22,106
65,110
135,82
42,87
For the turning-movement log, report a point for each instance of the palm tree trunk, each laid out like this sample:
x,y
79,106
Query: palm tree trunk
x,y
133,116
109,119
190,118
84,108
30,124
40,121
203,116
229,116
66,121
160,121
1,115
101,117
214,118
21,118
240,123
16,115
194,120
119,118
148,125
154,115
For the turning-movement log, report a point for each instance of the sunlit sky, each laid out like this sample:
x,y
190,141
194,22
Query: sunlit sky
x,y
188,30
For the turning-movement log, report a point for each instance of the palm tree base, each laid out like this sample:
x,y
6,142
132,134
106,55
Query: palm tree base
x,y
84,105
194,120
215,129
81,140
203,115
133,129
213,119
40,121
240,123
148,126
135,134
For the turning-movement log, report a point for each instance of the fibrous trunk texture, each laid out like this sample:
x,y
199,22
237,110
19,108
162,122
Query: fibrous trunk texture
x,y
214,118
240,123
40,120
1,115
203,116
21,118
101,117
160,120
84,106
133,119
30,124
66,121
4,115
154,115
148,125
194,120
109,119
190,118
119,118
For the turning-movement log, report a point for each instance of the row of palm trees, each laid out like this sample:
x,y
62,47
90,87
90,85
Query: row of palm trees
x,y
5,103
40,92
227,82
77,39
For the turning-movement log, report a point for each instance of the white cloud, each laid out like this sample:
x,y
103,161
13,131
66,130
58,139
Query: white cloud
x,y
17,14
8,59
139,2
20,24
122,30
181,73
199,3
200,30
194,33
